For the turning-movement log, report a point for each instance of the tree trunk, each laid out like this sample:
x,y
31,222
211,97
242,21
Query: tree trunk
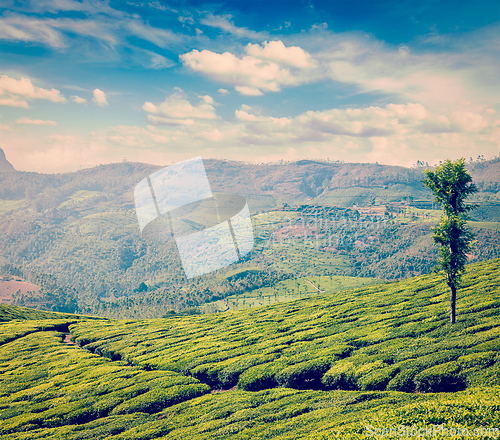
x,y
453,300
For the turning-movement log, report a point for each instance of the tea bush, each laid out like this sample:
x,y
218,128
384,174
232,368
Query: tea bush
x,y
440,378
340,376
306,374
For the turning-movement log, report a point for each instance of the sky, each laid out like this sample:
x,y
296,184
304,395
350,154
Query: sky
x,y
84,83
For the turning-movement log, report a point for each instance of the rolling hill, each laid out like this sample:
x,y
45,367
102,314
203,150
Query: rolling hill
x,y
333,366
78,232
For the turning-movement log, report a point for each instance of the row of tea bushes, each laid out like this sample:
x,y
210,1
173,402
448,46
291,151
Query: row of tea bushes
x,y
11,330
381,337
45,384
287,414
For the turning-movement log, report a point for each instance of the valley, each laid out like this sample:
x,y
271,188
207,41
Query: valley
x,y
78,232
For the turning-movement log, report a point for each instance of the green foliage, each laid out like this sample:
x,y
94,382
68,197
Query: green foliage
x,y
403,381
13,329
340,377
451,185
306,374
65,385
479,360
100,263
440,378
388,332
455,242
378,379
291,363
9,313
259,377
51,296
291,289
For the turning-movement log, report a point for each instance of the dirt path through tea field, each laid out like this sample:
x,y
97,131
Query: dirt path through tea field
x,y
320,291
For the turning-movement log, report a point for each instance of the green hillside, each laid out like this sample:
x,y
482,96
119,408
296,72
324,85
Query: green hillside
x,y
8,313
336,365
288,290
75,235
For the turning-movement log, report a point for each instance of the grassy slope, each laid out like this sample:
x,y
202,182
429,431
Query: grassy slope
x,y
384,331
8,313
289,290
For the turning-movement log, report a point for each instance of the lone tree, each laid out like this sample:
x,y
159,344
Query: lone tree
x,y
451,184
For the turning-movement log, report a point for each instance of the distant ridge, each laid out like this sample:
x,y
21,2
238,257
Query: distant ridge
x,y
5,165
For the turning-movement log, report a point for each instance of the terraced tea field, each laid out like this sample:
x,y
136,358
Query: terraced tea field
x,y
336,365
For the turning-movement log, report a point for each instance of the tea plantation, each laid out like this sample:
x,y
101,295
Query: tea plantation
x,y
338,365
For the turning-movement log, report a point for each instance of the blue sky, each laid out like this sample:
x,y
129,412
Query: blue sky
x,y
87,82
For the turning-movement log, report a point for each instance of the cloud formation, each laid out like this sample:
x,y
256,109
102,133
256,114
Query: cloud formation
x,y
397,134
29,121
224,23
17,92
103,33
177,110
77,100
21,28
277,52
267,68
436,78
99,98
431,98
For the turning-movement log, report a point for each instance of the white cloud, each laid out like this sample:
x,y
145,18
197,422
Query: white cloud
x,y
186,19
54,153
248,91
391,134
159,6
470,121
148,59
163,38
207,99
29,121
277,52
58,32
177,110
99,98
54,6
369,122
223,91
5,127
251,75
77,100
223,23
100,35
16,92
22,28
11,102
243,115
445,98
437,79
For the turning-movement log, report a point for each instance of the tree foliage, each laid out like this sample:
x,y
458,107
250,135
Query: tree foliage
x,y
452,184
